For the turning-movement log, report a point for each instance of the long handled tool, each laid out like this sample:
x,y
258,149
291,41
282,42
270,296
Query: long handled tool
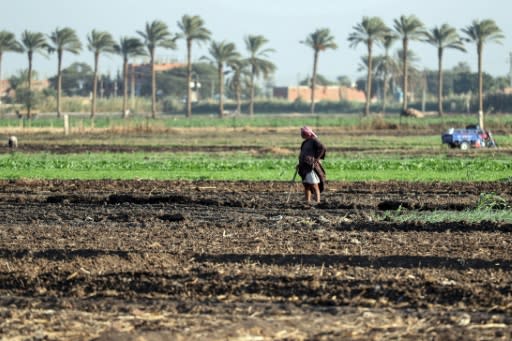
x,y
291,184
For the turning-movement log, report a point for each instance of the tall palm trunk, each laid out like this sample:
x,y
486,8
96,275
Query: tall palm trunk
x,y
221,91
153,84
405,75
480,88
238,98
251,101
95,84
440,82
59,81
125,86
132,86
385,90
369,80
189,77
29,102
313,81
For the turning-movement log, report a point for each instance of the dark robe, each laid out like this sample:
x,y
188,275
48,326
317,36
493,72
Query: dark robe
x,y
311,152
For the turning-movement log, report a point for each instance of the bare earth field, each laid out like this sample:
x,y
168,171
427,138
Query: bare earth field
x,y
165,260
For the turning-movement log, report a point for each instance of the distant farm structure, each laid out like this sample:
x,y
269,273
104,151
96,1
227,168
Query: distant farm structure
x,y
322,93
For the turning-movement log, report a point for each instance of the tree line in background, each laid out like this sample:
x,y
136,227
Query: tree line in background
x,y
155,35
372,30
385,73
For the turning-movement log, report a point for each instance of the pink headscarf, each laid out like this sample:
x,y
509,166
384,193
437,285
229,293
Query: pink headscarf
x,y
307,132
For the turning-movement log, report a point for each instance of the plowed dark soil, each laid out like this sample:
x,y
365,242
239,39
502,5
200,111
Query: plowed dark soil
x,y
148,260
65,149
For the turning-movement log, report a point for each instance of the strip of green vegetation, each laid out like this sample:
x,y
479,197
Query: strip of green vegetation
x,y
489,207
472,216
244,166
346,121
277,140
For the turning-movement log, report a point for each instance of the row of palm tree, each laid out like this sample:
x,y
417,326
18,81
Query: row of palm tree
x,y
156,34
372,30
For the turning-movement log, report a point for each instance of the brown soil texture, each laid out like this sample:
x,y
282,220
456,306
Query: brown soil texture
x,y
179,260
102,148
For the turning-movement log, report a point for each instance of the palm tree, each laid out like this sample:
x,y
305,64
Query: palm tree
x,y
222,53
320,40
64,39
481,32
32,42
8,43
238,66
369,31
156,34
99,42
444,37
126,48
258,63
408,28
192,28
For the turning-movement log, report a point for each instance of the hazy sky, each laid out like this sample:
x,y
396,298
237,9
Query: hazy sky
x,y
283,22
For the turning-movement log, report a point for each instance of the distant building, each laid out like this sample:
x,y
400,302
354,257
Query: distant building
x,y
145,69
140,74
40,85
7,91
322,93
507,91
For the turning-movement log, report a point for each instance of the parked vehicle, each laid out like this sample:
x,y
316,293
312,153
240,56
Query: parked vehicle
x,y
470,137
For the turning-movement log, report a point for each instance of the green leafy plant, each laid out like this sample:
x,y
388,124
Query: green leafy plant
x,y
491,201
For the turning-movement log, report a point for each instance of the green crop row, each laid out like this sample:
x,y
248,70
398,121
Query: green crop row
x,y
344,120
473,215
243,166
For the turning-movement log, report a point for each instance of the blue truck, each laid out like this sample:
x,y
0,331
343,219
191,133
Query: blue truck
x,y
470,137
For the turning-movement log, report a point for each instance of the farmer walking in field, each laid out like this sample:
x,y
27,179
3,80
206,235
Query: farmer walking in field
x,y
310,169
